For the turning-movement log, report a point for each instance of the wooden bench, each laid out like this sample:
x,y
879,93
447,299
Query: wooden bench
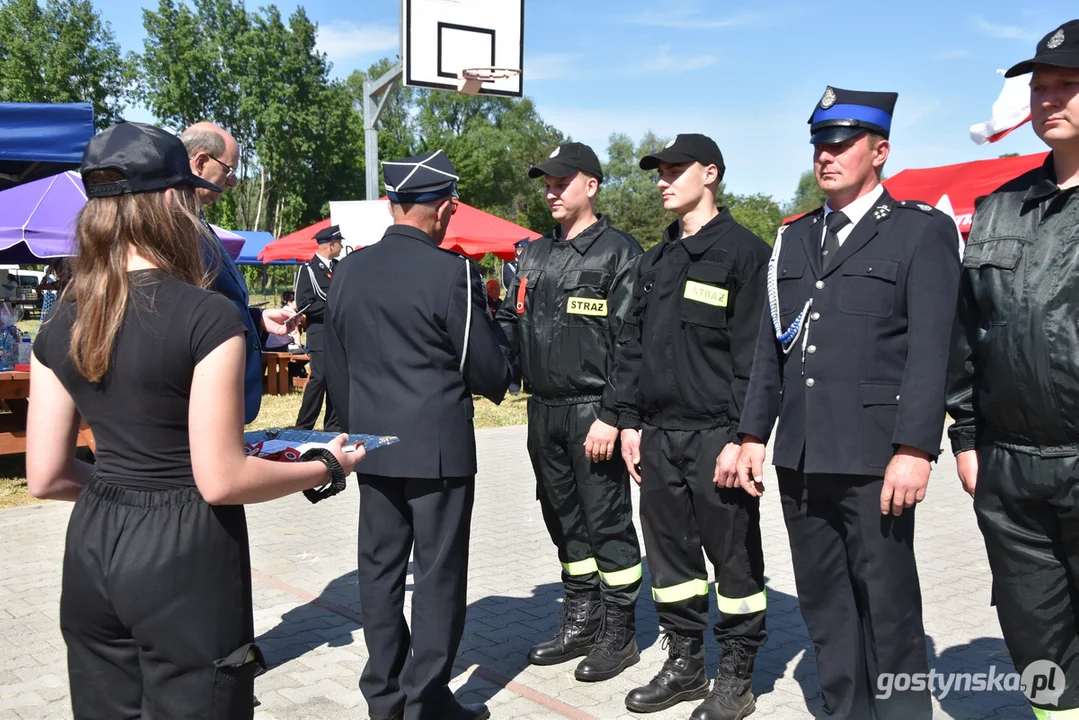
x,y
275,379
14,391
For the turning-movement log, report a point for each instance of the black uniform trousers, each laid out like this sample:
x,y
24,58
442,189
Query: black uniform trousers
x,y
429,518
313,395
586,506
155,606
859,594
682,510
1028,511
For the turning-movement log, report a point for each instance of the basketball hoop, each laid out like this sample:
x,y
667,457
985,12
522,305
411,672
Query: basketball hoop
x,y
471,80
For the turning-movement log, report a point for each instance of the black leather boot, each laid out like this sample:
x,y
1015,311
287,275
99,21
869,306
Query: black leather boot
x,y
681,678
731,697
577,629
615,648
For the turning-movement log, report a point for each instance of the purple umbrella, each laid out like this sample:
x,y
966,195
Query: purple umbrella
x,y
37,220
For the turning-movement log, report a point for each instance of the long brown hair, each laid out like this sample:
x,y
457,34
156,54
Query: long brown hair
x,y
167,233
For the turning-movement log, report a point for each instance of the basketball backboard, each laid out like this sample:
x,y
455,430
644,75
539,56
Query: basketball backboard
x,y
442,38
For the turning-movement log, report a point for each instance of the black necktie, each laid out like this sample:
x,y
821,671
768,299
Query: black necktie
x,y
835,221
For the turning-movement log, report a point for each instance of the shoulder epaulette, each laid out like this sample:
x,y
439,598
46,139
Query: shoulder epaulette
x,y
916,205
795,218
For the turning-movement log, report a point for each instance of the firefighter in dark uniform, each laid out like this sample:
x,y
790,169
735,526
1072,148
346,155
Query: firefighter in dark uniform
x,y
562,316
312,287
1013,387
682,365
408,365
851,357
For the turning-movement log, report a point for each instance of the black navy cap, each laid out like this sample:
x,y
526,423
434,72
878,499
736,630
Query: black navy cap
x,y
1059,48
842,114
687,147
149,158
521,243
326,235
420,179
567,159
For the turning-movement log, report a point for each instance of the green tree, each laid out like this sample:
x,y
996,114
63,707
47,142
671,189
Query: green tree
x,y
758,213
808,196
629,195
62,52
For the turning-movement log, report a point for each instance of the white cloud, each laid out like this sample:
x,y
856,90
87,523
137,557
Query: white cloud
x,y
664,63
552,66
342,40
1005,32
954,55
688,19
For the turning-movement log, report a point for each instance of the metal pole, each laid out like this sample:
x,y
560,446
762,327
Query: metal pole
x,y
372,110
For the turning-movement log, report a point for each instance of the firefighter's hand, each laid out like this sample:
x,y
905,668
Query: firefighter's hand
x,y
905,480
631,453
599,445
750,467
279,321
967,464
726,475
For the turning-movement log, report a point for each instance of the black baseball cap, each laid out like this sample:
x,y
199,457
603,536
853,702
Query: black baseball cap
x,y
567,159
149,157
1059,48
687,147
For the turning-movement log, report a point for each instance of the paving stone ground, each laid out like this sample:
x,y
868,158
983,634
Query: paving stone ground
x,y
307,609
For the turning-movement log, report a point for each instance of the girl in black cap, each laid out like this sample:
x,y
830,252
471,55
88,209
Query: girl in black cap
x,y
156,593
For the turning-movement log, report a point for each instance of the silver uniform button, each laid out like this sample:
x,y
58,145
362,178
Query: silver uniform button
x,y
815,316
813,348
809,382
820,284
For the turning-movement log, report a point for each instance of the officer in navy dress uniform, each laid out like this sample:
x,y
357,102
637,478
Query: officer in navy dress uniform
x,y
852,357
312,287
408,365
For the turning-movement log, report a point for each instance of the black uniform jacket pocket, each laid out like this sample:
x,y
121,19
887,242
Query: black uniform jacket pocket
x,y
994,263
880,405
524,299
234,683
869,287
706,295
585,297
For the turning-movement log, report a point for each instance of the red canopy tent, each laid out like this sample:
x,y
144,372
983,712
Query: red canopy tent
x,y
962,183
472,232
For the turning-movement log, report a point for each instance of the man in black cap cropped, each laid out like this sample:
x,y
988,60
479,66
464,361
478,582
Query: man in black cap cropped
x,y
682,365
562,317
408,365
851,358
312,287
1013,388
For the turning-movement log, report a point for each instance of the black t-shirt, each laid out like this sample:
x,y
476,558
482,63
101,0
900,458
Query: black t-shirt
x,y
139,412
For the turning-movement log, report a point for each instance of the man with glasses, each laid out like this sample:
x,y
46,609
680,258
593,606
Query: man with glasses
x,y
214,156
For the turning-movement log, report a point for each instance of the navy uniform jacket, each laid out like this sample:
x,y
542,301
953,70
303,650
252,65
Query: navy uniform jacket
x,y
879,331
393,340
312,287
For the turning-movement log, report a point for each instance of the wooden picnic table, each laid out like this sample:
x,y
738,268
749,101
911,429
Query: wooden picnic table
x,y
14,392
275,370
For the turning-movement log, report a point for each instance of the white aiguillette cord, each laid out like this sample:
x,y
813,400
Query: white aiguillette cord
x,y
468,313
786,337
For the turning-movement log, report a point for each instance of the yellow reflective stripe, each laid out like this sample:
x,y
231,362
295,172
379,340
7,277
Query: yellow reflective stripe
x,y
581,567
680,592
1042,714
621,577
741,606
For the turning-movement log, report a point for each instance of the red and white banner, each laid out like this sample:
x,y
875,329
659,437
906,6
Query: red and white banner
x,y
1011,110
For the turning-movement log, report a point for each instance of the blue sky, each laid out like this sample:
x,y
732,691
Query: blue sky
x,y
747,74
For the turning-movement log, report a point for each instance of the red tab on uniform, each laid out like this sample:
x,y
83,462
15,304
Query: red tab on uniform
x,y
521,296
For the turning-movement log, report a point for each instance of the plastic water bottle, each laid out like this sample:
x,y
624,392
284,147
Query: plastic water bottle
x,y
25,347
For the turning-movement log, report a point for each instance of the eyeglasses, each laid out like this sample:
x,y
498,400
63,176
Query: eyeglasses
x,y
231,175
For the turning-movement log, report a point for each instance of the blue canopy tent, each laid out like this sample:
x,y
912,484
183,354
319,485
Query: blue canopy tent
x,y
42,139
255,240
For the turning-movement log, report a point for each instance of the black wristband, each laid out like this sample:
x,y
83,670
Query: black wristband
x,y
337,474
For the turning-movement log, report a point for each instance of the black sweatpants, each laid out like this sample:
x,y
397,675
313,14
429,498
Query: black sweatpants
x,y
682,510
314,392
1028,511
586,506
429,518
858,591
155,606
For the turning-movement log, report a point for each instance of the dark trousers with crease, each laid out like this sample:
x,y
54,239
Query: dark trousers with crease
x,y
683,512
1028,511
859,594
586,506
155,606
314,392
429,518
